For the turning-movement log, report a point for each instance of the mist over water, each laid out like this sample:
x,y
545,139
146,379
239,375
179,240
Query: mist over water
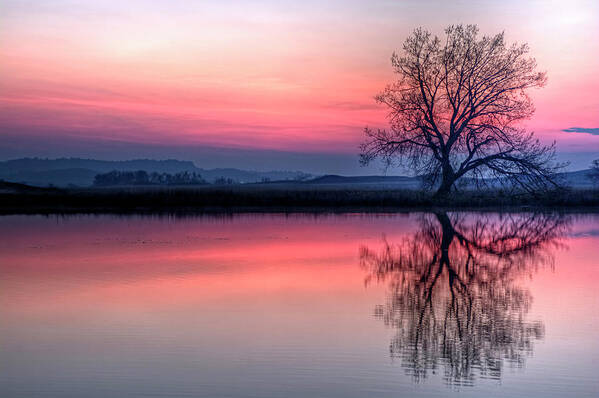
x,y
379,305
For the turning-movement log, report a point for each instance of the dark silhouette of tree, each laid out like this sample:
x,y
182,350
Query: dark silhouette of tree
x,y
224,181
453,297
455,108
141,177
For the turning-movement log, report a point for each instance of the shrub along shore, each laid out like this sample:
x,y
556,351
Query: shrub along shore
x,y
22,199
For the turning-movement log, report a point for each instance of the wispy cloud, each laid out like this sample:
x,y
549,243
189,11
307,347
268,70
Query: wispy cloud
x,y
593,131
354,106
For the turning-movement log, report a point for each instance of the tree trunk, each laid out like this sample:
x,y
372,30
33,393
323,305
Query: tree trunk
x,y
447,181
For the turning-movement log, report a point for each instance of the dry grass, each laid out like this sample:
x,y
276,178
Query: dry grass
x,y
279,198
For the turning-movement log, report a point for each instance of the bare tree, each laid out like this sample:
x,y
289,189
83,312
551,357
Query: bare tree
x,y
455,109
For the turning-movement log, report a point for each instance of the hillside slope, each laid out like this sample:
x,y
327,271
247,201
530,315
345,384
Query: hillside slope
x,y
81,172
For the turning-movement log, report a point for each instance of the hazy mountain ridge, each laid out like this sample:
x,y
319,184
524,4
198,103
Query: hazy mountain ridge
x,y
39,164
374,181
81,172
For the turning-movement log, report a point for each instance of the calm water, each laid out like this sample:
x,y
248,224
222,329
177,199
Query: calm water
x,y
419,305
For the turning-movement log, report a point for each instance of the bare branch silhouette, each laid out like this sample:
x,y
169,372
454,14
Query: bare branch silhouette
x,y
455,108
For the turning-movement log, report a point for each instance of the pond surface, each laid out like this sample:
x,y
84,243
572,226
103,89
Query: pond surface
x,y
418,305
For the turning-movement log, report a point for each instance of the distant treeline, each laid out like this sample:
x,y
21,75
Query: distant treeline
x,y
142,177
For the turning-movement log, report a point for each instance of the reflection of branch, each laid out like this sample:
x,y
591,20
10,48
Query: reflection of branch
x,y
453,300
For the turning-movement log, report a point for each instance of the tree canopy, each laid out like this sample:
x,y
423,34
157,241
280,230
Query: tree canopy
x,y
142,177
455,111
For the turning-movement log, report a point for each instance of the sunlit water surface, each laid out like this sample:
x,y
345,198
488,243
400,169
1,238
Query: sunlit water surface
x,y
417,305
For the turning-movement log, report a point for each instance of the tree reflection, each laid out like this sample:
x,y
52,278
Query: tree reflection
x,y
454,299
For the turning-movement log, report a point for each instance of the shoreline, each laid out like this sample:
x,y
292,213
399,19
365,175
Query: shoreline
x,y
283,199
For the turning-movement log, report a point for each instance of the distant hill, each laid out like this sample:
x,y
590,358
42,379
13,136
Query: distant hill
x,y
578,179
81,172
369,181
16,188
39,164
574,179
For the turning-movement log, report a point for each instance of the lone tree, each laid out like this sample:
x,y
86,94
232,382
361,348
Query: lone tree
x,y
455,108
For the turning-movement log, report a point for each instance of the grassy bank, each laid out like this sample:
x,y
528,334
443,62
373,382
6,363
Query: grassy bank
x,y
273,198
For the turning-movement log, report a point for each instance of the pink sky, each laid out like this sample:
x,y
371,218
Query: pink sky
x,y
264,74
